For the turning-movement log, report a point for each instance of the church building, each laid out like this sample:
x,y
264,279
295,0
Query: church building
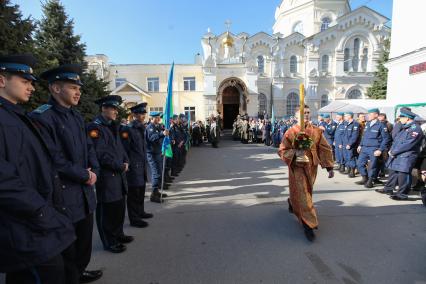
x,y
324,44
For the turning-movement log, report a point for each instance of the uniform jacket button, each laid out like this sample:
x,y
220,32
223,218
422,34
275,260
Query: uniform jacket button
x,y
63,187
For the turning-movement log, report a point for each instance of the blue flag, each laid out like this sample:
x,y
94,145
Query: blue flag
x,y
167,146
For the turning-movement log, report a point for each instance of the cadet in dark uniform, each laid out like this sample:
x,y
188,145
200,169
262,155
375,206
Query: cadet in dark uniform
x,y
329,127
185,137
338,141
173,133
133,138
374,142
111,187
350,141
403,155
75,160
34,226
154,141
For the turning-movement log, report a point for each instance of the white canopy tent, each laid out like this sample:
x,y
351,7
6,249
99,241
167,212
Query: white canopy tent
x,y
340,106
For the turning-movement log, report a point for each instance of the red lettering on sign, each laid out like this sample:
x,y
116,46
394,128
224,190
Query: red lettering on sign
x,y
418,68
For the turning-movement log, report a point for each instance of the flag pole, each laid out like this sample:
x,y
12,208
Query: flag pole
x,y
162,178
167,115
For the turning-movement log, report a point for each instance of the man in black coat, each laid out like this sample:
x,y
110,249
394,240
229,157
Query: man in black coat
x,y
133,139
34,226
111,186
64,131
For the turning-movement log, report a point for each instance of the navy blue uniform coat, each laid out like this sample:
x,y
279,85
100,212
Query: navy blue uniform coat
x,y
33,222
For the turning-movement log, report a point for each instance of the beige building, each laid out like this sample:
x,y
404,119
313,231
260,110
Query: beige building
x,y
137,83
321,43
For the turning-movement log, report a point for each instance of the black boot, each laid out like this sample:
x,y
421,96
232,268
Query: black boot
x,y
369,183
351,172
309,233
347,171
290,208
90,276
146,215
362,181
156,199
342,169
124,239
138,223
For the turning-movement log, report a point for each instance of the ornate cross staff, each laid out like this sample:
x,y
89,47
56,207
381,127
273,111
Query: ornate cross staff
x,y
302,141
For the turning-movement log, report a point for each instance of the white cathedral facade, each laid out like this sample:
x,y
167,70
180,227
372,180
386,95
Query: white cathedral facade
x,y
324,44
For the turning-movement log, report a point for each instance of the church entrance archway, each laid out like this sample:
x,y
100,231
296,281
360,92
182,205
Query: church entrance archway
x,y
231,100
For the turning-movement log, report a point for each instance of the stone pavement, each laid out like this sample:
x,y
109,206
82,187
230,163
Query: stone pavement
x,y
227,222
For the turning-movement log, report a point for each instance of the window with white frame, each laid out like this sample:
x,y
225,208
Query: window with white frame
x,y
325,23
190,113
119,82
355,94
261,64
153,84
324,100
160,109
189,83
298,27
355,58
262,103
293,64
346,63
292,103
325,62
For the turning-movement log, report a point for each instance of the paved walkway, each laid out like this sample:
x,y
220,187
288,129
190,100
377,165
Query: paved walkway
x,y
227,222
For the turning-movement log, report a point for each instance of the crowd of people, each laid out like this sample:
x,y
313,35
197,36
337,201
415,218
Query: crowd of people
x,y
208,132
261,129
57,171
369,146
374,148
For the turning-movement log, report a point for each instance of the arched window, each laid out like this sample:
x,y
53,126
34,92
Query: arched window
x,y
324,100
292,103
261,64
325,61
325,23
293,64
364,63
263,102
346,62
355,94
298,28
355,59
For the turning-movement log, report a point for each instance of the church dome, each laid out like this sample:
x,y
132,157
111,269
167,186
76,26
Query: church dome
x,y
228,40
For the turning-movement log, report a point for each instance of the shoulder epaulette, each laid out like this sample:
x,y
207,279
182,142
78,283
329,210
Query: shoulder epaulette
x,y
97,121
42,108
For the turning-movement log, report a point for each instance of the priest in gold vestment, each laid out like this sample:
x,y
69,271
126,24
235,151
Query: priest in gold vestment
x,y
302,175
